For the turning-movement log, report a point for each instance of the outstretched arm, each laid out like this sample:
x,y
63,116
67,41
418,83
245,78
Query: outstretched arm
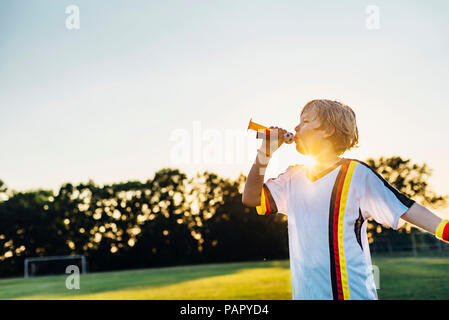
x,y
424,218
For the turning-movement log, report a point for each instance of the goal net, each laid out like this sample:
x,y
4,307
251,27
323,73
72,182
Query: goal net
x,y
41,266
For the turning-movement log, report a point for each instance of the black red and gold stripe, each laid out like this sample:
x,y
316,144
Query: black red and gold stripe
x,y
442,231
267,205
339,275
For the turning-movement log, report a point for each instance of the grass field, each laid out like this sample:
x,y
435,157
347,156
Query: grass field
x,y
400,278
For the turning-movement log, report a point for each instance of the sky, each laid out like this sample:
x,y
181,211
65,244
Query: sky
x,y
145,85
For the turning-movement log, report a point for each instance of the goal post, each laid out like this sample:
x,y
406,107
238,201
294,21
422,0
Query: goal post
x,y
30,264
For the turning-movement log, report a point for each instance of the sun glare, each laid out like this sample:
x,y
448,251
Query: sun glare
x,y
309,161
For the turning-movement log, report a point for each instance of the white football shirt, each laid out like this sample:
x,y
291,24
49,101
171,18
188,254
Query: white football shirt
x,y
328,243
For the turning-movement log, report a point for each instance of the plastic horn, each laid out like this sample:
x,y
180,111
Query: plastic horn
x,y
262,130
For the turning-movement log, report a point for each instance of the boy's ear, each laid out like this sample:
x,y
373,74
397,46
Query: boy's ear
x,y
329,133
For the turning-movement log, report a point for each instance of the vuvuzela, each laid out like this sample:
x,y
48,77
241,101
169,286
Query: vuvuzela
x,y
261,132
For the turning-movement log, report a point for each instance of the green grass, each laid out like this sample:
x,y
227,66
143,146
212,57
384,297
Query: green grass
x,y
413,278
248,280
400,278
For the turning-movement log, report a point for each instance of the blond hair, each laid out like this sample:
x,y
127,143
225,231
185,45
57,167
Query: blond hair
x,y
338,118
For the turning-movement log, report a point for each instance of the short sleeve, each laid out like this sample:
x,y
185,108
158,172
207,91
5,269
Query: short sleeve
x,y
382,202
277,189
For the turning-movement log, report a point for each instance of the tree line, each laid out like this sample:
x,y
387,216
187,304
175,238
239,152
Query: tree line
x,y
168,220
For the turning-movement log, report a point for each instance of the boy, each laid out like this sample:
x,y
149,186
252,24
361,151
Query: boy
x,y
328,204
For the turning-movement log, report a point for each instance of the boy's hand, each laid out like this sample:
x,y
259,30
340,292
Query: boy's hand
x,y
273,141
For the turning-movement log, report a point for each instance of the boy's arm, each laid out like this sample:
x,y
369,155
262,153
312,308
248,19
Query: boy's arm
x,y
254,182
422,217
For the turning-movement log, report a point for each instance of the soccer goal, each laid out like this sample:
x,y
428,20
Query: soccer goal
x,y
40,266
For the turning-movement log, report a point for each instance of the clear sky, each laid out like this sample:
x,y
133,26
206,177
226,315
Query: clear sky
x,y
140,80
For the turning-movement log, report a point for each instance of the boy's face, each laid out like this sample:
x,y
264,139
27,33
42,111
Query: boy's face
x,y
308,138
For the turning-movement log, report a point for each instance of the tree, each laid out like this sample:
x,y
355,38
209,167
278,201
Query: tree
x,y
3,191
166,236
28,228
230,231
